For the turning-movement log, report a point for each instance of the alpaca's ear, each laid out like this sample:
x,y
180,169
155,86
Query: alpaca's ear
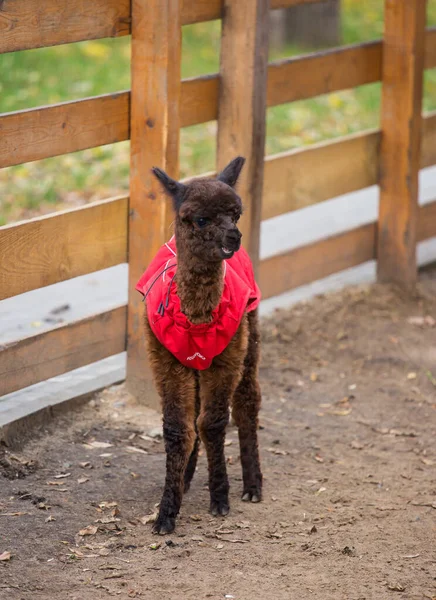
x,y
172,187
231,173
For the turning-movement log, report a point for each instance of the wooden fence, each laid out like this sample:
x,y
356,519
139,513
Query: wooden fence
x,y
57,247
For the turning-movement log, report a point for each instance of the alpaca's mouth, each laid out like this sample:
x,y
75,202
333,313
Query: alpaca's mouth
x,y
226,252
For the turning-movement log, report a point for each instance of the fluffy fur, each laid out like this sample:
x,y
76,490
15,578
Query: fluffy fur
x,y
196,403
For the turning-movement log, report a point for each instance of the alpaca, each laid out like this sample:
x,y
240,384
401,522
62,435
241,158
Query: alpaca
x,y
201,282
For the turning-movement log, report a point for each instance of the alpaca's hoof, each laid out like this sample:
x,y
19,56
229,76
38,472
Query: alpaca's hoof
x,y
252,497
164,525
219,508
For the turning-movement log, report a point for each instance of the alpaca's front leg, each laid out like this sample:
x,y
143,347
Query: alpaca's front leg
x,y
176,385
179,436
216,387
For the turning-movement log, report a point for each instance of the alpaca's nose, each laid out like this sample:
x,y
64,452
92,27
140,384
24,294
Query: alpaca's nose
x,y
233,238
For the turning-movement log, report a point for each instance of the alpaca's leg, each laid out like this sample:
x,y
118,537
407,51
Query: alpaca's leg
x,y
192,463
177,388
179,436
215,390
246,404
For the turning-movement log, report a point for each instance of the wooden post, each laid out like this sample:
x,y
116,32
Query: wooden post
x,y
242,105
402,76
154,133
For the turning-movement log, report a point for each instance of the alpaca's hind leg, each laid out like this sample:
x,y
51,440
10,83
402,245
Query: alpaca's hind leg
x,y
192,463
246,404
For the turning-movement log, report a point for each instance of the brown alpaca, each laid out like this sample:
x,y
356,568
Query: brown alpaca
x,y
196,402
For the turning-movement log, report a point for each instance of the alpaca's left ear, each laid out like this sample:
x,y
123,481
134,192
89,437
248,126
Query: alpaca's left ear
x,y
172,187
231,173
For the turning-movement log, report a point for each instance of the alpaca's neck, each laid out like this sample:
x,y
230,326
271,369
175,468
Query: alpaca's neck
x,y
199,286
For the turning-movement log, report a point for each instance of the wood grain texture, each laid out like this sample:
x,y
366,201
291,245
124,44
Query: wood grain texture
x,y
155,123
71,126
428,148
199,100
26,24
306,176
323,72
426,221
403,64
430,48
242,106
62,349
57,247
294,268
52,130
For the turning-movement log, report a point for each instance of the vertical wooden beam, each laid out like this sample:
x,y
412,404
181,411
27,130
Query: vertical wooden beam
x,y
402,76
242,105
154,134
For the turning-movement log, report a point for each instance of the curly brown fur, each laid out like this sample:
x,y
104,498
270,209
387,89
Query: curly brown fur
x,y
196,403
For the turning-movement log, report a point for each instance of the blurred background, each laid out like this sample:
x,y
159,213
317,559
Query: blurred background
x,y
50,75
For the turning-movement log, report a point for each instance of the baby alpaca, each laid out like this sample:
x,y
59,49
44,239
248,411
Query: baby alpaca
x,y
202,335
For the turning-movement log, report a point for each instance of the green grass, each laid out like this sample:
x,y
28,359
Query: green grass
x,y
46,76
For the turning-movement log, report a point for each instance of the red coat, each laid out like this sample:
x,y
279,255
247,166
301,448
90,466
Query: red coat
x,y
195,346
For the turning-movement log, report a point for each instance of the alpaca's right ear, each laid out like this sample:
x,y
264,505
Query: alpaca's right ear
x,y
172,187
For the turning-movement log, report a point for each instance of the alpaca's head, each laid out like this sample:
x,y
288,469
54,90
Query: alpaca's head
x,y
207,212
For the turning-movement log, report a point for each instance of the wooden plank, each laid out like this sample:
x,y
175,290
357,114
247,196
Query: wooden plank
x,y
71,126
242,106
195,11
26,24
199,100
62,349
426,221
428,150
306,176
155,122
294,268
403,63
67,127
430,48
56,247
323,72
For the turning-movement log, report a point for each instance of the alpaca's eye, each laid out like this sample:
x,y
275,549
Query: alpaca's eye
x,y
201,222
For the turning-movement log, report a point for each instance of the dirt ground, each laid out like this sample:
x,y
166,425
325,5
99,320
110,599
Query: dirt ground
x,y
348,431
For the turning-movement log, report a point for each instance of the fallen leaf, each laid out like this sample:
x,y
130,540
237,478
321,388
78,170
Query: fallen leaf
x,y
356,445
341,413
49,519
155,546
62,476
135,449
396,587
411,375
134,475
95,444
43,506
148,518
321,489
5,556
277,451
411,556
13,514
313,377
427,461
82,480
195,517
89,530
318,458
228,443
85,464
55,483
